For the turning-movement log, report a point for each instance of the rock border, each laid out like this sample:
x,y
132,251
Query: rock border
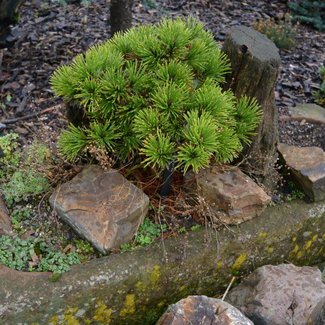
x,y
136,287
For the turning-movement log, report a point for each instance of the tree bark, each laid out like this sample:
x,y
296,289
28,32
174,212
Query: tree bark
x,y
8,16
255,65
121,15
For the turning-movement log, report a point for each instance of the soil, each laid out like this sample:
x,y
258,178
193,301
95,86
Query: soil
x,y
50,34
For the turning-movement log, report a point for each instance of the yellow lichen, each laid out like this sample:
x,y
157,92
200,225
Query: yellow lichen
x,y
69,318
310,242
129,305
102,313
140,286
155,275
262,235
300,254
54,320
294,239
296,249
182,288
240,260
161,304
270,250
219,264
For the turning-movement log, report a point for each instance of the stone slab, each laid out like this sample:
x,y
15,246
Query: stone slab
x,y
281,294
136,287
307,167
101,206
309,112
231,195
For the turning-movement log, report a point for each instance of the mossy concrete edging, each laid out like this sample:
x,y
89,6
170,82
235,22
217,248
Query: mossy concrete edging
x,y
136,287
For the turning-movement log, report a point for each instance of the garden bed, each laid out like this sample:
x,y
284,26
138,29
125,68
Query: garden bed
x,y
49,35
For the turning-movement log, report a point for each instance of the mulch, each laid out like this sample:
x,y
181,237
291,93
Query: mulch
x,y
50,34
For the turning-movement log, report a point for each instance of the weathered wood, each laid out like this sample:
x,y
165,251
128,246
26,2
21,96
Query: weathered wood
x,y
255,65
121,15
8,16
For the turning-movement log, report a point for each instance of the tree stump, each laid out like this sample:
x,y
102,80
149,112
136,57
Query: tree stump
x,y
8,16
255,63
121,15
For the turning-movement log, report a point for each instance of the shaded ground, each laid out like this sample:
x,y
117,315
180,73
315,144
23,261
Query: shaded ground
x,y
49,35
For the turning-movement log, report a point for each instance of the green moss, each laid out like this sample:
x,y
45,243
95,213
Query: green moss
x,y
129,306
155,275
240,260
103,314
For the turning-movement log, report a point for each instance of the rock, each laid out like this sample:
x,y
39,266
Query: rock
x,y
202,310
5,224
318,315
307,167
232,195
101,206
309,112
279,295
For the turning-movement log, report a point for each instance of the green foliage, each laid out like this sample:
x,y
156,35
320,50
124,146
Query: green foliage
x,y
10,159
309,12
320,94
295,193
23,185
154,93
18,215
282,33
83,247
146,235
34,254
20,173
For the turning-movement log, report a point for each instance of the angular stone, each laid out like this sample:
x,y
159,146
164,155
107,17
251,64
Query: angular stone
x,y
102,206
203,310
309,112
231,195
318,315
307,167
278,295
5,224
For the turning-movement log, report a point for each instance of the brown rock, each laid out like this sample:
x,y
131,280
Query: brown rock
x,y
279,295
309,112
202,310
232,195
103,207
5,224
307,167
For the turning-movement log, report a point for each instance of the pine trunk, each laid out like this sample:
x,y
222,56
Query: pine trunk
x,y
121,15
255,65
8,14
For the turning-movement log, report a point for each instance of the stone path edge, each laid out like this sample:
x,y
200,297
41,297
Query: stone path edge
x,y
136,287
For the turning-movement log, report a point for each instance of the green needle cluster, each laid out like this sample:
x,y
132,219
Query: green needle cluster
x,y
153,93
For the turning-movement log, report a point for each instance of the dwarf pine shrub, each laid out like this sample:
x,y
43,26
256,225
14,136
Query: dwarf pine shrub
x,y
309,12
282,33
154,93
